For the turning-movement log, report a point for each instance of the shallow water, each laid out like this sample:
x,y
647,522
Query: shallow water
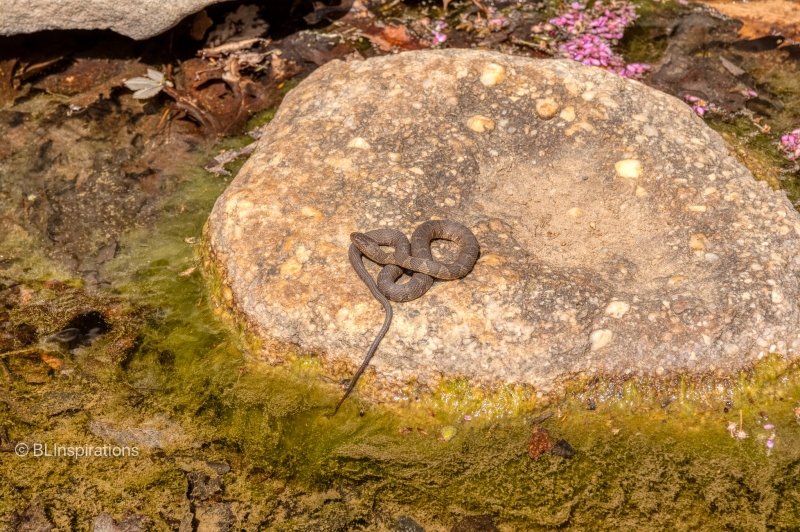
x,y
649,456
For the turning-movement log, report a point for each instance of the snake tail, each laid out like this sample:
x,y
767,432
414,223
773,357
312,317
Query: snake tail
x,y
355,259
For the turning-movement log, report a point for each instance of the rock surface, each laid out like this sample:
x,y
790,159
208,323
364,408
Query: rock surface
x,y
618,235
139,19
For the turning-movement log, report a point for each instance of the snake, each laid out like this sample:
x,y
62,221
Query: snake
x,y
414,256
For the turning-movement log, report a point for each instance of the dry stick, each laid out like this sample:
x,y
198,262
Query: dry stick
x,y
19,351
481,6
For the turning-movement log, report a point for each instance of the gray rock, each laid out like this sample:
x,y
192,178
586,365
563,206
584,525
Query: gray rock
x,y
618,235
215,518
158,433
34,519
406,524
60,401
139,20
475,523
131,523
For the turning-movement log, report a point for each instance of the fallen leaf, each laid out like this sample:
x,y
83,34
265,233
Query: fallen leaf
x,y
730,67
320,57
244,23
221,98
7,90
539,443
51,361
321,11
89,80
200,24
187,272
387,37
761,18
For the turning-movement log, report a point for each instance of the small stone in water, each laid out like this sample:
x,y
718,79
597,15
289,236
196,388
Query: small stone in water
x,y
563,449
447,433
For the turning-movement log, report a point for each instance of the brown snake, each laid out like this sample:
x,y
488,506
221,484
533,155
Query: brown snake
x,y
415,256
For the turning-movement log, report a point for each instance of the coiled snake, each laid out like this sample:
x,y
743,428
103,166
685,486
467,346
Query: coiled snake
x,y
415,256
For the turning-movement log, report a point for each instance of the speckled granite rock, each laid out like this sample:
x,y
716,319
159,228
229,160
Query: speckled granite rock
x,y
138,19
618,235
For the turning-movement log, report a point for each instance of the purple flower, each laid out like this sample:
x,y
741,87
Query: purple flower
x,y
769,427
438,37
790,143
594,30
770,444
467,418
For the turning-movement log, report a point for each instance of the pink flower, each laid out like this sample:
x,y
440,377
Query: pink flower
x,y
790,143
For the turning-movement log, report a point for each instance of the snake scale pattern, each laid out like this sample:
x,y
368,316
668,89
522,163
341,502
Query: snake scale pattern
x,y
414,256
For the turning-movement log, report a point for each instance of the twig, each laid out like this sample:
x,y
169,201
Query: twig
x,y
228,48
543,417
19,352
481,7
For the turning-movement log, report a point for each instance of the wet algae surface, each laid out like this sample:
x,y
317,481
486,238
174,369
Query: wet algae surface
x,y
129,348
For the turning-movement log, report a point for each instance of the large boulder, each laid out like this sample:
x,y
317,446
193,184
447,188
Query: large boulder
x,y
618,235
138,19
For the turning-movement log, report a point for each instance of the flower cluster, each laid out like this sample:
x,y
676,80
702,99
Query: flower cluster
x,y
790,143
608,22
435,28
438,36
698,106
483,23
590,32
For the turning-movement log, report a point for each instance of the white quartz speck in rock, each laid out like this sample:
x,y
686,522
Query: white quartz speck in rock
x,y
600,338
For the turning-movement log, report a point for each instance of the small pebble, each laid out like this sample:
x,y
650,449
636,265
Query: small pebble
x,y
447,433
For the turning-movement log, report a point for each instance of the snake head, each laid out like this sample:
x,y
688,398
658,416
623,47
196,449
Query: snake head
x,y
362,241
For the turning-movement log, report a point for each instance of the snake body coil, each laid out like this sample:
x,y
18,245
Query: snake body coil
x,y
414,256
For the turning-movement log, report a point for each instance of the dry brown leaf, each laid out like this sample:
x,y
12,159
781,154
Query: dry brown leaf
x,y
89,80
762,18
52,361
387,37
7,90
